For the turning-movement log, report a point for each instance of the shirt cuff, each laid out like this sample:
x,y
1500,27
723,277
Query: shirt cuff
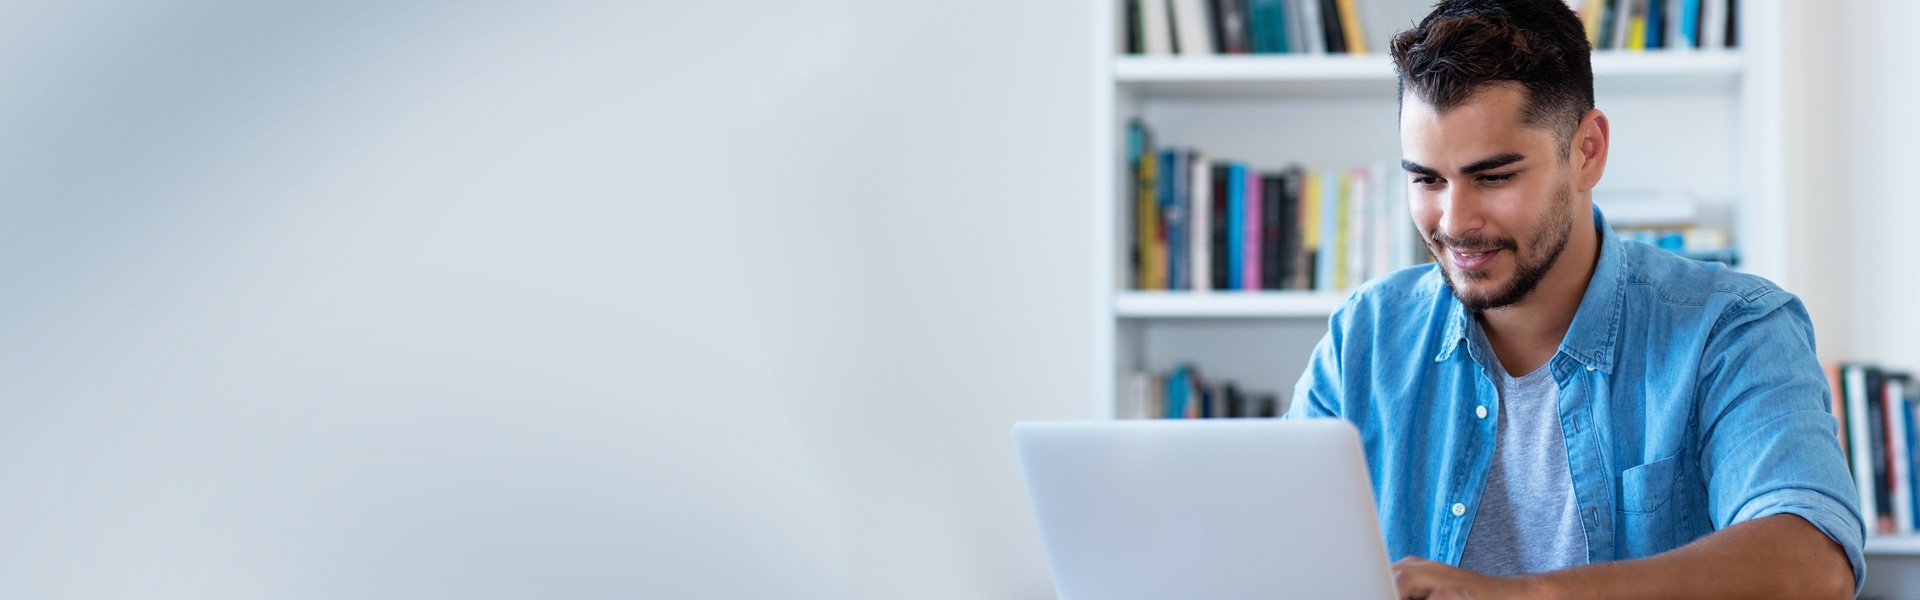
x,y
1830,516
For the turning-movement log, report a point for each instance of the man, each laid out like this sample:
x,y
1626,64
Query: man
x,y
1550,411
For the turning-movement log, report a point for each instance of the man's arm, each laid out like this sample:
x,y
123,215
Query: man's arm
x,y
1781,556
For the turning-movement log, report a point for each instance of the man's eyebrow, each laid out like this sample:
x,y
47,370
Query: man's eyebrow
x,y
1493,163
1484,164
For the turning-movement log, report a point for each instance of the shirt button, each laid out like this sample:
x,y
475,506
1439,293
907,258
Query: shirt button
x,y
1589,367
1481,411
1459,510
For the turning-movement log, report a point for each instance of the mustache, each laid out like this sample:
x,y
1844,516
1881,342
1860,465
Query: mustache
x,y
1473,244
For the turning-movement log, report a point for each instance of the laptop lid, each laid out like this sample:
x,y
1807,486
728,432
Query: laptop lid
x,y
1222,509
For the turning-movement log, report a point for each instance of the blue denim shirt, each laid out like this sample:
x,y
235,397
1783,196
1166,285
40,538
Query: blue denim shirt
x,y
1690,400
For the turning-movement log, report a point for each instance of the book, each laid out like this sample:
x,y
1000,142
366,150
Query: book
x,y
1173,222
1151,236
1618,17
1268,26
1637,27
1854,380
1217,235
1177,393
1909,398
1293,269
1656,24
1881,520
1156,28
1590,13
1353,222
1355,35
1308,26
1205,212
1899,452
1251,236
1713,16
1731,38
1690,23
1192,32
1236,189
1327,257
1330,26
1310,225
1839,400
1229,23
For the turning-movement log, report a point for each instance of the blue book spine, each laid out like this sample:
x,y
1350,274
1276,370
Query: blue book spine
x,y
1324,263
1913,451
1236,224
1690,22
1177,393
1656,14
1170,221
1269,24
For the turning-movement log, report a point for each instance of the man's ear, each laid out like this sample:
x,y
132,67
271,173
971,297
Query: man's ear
x,y
1590,142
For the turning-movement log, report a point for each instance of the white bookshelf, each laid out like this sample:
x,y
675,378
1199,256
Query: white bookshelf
x,y
1272,76
1258,305
1893,545
1707,122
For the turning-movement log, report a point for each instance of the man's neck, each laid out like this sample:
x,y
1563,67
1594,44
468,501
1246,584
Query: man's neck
x,y
1526,334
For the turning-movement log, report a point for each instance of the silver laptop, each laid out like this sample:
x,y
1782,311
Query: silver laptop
x,y
1218,509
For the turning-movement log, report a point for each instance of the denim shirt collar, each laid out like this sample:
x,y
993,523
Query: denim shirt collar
x,y
1596,324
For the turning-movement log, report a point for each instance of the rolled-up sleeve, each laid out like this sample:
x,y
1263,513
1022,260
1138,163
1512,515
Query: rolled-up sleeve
x,y
1769,441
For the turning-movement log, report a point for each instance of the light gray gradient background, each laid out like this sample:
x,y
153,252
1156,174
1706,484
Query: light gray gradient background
x,y
534,300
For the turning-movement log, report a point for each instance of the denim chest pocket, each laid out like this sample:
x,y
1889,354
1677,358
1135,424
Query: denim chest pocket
x,y
1644,489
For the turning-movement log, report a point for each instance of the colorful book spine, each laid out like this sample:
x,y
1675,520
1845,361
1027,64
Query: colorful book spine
x,y
1326,257
1153,237
1637,27
1656,24
1236,222
1269,26
1900,486
1356,37
1252,236
1200,233
1690,23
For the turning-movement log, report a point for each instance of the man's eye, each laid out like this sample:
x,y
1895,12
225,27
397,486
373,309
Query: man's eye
x,y
1496,178
1425,180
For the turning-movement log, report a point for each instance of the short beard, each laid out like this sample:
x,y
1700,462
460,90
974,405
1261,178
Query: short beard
x,y
1556,230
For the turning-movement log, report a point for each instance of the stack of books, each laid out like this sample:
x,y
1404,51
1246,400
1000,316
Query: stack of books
x,y
1209,27
1204,223
1876,409
1639,25
1184,394
1214,27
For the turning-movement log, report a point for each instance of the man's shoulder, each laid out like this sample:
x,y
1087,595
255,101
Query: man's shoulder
x,y
1665,279
1396,294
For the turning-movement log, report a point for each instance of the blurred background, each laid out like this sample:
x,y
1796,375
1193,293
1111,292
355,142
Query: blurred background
x,y
660,299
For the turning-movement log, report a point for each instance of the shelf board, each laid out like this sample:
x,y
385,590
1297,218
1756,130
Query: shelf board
x,y
1267,76
1225,304
1893,545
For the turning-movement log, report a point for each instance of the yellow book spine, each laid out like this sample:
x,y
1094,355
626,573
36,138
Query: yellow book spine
x,y
1153,247
1350,25
1341,245
1590,17
1310,212
1637,33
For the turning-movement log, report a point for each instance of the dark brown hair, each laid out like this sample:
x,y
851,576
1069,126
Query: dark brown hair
x,y
1466,45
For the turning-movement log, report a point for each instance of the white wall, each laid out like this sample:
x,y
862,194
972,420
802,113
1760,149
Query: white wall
x,y
557,299
1879,151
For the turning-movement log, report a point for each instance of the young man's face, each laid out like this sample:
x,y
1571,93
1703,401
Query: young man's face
x,y
1491,195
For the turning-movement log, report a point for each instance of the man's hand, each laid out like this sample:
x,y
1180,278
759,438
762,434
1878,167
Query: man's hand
x,y
1419,578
